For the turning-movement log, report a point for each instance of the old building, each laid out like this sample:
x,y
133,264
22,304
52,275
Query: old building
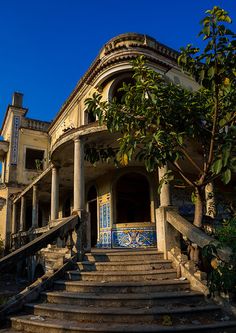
x,y
45,176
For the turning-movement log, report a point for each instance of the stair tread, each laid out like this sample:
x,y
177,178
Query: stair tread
x,y
126,263
123,251
135,310
123,283
124,273
120,308
118,327
159,295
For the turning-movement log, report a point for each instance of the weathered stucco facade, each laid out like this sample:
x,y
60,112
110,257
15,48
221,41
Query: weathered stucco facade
x,y
45,176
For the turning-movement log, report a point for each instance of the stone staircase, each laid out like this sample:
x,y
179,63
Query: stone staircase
x,y
122,291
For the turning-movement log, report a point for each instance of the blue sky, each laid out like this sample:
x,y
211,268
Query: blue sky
x,y
47,45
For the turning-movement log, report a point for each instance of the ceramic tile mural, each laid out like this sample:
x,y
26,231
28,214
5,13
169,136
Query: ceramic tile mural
x,y
134,237
104,221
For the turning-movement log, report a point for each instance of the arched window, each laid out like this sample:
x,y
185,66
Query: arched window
x,y
132,199
115,91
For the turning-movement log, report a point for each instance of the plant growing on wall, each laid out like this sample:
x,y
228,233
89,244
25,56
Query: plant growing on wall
x,y
222,276
159,121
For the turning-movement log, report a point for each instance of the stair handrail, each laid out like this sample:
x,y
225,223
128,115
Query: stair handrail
x,y
67,225
194,234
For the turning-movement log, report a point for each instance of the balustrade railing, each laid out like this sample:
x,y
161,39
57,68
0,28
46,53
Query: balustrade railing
x,y
35,124
172,230
27,243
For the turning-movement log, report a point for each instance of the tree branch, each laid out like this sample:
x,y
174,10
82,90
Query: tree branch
x,y
188,181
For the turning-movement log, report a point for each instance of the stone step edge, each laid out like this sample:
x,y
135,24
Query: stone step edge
x,y
137,296
123,283
115,273
114,311
125,252
126,263
118,327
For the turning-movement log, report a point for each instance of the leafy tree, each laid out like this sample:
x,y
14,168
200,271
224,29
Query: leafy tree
x,y
159,122
222,276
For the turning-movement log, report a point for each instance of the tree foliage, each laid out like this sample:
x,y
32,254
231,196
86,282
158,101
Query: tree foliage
x,y
222,276
158,121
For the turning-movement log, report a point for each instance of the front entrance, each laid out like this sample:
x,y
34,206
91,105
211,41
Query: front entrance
x,y
133,226
92,208
132,199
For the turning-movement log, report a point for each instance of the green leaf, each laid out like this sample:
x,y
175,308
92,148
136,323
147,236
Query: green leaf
x,y
226,154
217,166
233,164
226,177
211,72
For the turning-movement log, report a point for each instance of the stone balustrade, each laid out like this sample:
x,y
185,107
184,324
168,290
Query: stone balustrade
x,y
29,242
34,124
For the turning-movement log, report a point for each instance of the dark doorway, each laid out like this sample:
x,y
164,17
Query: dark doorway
x,y
28,217
132,199
66,209
39,271
92,208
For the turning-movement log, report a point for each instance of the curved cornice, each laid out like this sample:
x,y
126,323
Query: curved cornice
x,y
79,132
123,48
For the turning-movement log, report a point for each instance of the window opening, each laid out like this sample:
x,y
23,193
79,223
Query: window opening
x,y
34,159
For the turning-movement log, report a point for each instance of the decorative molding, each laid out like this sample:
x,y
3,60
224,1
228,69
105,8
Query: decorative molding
x,y
15,139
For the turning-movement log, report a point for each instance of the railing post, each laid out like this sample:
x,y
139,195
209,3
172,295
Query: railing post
x,y
22,213
161,223
14,226
161,229
35,207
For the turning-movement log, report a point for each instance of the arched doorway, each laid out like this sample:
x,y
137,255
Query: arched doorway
x,y
92,208
66,208
132,199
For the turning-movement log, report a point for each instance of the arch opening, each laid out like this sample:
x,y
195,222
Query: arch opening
x,y
92,209
116,92
132,199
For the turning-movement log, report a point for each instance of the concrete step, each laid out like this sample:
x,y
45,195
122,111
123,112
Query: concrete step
x,y
124,314
178,298
122,287
119,255
162,274
61,326
9,330
54,253
147,265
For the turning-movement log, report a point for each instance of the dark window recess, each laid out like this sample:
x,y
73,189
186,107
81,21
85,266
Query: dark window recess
x,y
34,159
91,117
118,93
132,199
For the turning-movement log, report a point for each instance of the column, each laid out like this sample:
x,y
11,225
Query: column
x,y
78,175
55,193
22,213
165,198
35,213
14,226
210,200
